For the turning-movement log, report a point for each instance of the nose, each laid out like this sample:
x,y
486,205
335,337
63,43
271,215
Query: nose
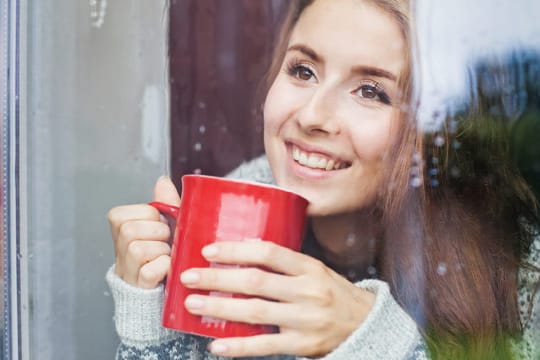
x,y
319,114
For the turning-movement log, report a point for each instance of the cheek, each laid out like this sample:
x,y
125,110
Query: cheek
x,y
372,139
272,109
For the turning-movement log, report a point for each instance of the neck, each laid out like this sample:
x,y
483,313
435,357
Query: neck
x,y
348,239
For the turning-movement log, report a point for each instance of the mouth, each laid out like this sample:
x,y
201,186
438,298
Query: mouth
x,y
317,160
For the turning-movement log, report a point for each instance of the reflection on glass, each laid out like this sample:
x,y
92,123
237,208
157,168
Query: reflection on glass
x,y
479,98
452,228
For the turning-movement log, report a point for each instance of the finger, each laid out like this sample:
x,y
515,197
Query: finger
x,y
153,272
251,311
119,215
138,254
141,230
165,191
248,281
261,253
260,345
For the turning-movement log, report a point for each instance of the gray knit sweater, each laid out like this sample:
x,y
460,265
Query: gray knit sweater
x,y
387,333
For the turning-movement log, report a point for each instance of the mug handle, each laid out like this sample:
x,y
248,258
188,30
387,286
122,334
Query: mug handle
x,y
165,208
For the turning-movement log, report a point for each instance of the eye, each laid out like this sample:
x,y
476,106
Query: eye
x,y
373,91
303,73
300,71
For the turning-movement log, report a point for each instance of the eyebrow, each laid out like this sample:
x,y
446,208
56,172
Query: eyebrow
x,y
360,69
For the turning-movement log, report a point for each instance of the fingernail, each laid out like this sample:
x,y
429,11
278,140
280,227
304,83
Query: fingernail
x,y
218,348
164,177
194,302
190,277
209,251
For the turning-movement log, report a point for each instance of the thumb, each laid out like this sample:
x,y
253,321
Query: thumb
x,y
165,191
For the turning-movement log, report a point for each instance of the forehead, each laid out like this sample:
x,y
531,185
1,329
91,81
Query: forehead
x,y
352,32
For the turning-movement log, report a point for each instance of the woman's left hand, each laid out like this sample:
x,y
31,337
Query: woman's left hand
x,y
315,308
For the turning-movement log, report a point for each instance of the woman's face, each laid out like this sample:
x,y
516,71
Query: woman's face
x,y
329,113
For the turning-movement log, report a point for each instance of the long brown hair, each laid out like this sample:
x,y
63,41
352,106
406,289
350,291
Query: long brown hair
x,y
452,245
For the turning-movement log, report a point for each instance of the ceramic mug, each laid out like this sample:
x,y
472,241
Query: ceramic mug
x,y
214,209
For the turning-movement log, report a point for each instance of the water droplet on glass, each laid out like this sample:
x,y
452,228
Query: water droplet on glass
x,y
442,269
351,240
197,171
456,144
455,172
452,126
106,293
372,271
202,129
416,181
438,141
433,171
197,147
202,105
416,158
351,274
434,160
415,171
434,182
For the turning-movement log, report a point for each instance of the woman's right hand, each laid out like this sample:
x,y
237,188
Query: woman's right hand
x,y
141,238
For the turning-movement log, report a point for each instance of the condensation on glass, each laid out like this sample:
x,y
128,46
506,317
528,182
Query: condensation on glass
x,y
93,128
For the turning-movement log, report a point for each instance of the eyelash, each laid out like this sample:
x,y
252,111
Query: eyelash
x,y
294,67
377,89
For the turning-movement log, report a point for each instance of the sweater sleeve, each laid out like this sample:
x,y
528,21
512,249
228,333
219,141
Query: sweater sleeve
x,y
138,324
528,347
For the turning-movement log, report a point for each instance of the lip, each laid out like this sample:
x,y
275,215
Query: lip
x,y
307,172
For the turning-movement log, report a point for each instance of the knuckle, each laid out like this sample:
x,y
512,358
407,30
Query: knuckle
x,y
326,297
128,230
320,322
136,250
148,275
255,279
317,345
268,251
113,216
160,231
319,267
209,277
257,313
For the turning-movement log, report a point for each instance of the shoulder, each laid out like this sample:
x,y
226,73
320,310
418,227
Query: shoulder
x,y
257,169
532,257
528,298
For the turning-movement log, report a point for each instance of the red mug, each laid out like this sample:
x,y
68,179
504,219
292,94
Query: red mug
x,y
214,209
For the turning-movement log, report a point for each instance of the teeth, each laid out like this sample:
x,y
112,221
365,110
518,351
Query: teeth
x,y
330,165
315,161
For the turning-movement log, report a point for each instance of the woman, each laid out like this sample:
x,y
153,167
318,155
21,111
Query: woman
x,y
336,133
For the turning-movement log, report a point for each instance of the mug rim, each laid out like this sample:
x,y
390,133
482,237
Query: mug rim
x,y
246,182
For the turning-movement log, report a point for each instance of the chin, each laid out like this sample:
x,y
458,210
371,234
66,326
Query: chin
x,y
318,209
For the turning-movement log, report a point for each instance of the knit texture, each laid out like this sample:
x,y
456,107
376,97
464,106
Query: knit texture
x,y
388,332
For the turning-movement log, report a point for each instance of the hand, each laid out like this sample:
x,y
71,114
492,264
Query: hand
x,y
140,236
315,308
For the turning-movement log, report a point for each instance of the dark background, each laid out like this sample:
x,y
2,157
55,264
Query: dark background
x,y
219,52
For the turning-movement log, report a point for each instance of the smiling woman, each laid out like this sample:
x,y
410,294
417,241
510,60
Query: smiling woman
x,y
403,257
